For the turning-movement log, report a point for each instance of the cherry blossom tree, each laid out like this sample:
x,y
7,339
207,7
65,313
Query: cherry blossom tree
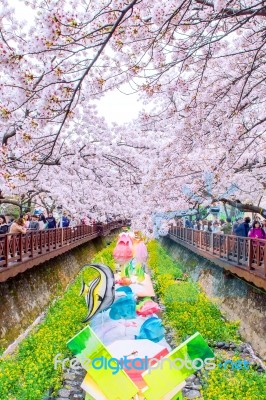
x,y
199,64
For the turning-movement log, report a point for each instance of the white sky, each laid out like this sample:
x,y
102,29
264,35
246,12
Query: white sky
x,y
118,107
114,106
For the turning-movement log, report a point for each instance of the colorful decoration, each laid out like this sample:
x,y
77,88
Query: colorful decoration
x,y
93,391
139,353
110,330
147,307
133,269
125,289
129,269
101,292
124,281
87,347
141,253
161,381
140,272
144,288
152,329
128,332
142,302
124,307
123,250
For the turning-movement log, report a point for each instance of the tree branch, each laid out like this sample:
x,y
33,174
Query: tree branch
x,y
244,207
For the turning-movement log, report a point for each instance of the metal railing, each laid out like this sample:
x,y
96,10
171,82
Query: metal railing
x,y
18,248
243,252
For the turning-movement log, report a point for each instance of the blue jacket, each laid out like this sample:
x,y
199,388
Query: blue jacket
x,y
242,229
51,222
64,221
188,224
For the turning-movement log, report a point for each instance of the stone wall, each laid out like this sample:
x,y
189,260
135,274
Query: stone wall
x,y
236,299
24,297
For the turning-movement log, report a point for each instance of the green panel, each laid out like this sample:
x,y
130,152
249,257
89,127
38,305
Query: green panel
x,y
85,340
114,383
165,378
177,396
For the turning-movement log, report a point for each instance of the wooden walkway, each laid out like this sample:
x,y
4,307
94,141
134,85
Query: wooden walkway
x,y
20,252
242,256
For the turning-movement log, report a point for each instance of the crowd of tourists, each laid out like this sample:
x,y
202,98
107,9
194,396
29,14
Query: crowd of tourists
x,y
241,227
39,221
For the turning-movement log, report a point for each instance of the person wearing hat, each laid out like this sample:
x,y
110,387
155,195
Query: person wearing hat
x,y
64,221
34,223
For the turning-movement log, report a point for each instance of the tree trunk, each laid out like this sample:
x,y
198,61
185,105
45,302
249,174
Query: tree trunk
x,y
14,203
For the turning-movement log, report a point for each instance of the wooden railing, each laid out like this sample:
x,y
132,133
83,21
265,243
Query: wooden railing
x,y
19,248
246,253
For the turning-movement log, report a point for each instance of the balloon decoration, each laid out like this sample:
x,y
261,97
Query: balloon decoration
x,y
100,294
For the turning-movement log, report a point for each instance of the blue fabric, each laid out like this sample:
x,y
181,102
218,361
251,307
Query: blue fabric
x,y
123,308
65,222
242,229
51,222
125,289
188,224
152,329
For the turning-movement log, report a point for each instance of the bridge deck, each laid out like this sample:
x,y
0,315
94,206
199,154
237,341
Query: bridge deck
x,y
244,257
20,252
